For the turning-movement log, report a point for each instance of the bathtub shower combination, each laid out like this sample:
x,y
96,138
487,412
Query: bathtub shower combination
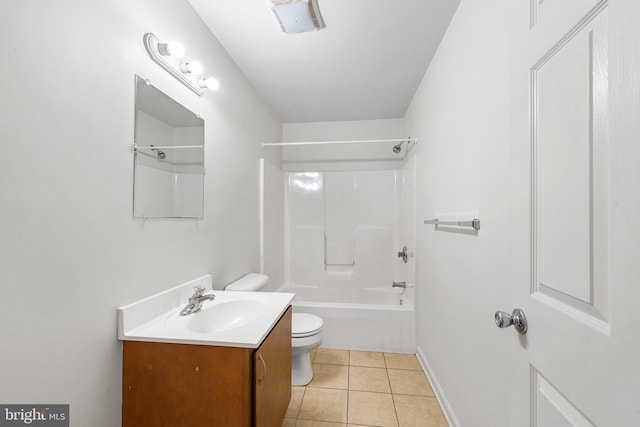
x,y
341,235
373,319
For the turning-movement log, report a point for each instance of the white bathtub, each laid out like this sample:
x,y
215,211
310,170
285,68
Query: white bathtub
x,y
369,319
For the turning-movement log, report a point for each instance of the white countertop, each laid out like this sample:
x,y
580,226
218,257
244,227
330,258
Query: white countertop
x,y
157,319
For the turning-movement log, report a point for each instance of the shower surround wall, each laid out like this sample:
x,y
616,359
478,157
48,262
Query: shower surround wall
x,y
172,186
342,232
346,204
342,229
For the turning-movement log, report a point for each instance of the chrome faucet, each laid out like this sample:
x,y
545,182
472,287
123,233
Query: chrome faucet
x,y
195,302
404,254
399,284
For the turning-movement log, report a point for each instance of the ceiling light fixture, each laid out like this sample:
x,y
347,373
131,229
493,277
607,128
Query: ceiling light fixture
x,y
188,73
297,16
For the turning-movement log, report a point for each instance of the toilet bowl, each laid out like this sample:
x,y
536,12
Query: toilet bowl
x,y
306,335
306,330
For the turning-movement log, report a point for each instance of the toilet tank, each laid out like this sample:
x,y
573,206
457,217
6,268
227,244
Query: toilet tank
x,y
252,282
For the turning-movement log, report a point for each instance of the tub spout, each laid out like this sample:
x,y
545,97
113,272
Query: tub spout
x,y
399,284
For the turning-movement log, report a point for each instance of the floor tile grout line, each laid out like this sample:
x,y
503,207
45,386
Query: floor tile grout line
x,y
395,409
348,386
369,391
304,391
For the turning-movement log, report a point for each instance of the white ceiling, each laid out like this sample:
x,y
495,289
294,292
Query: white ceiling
x,y
366,64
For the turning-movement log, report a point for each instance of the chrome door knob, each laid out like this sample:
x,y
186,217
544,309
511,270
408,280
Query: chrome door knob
x,y
516,318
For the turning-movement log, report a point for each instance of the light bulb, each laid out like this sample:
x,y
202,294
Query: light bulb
x,y
191,67
173,48
210,83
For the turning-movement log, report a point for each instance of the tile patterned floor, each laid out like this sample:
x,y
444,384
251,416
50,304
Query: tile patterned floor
x,y
364,389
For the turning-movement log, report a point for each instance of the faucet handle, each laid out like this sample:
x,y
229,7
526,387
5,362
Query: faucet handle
x,y
198,291
404,254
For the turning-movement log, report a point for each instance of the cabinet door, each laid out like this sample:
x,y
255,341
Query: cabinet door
x,y
170,385
272,375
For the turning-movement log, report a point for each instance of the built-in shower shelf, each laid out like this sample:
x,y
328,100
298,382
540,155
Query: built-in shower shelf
x,y
339,269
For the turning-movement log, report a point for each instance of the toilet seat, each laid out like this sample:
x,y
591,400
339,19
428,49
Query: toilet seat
x,y
305,325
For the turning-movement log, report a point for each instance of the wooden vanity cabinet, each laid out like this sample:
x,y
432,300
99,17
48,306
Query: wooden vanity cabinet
x,y
177,385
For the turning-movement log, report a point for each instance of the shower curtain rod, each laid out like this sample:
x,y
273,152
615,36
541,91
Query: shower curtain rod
x,y
165,147
276,144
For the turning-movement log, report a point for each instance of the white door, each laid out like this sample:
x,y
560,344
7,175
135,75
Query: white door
x,y
576,209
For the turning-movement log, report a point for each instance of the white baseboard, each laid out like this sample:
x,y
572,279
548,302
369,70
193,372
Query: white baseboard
x,y
440,396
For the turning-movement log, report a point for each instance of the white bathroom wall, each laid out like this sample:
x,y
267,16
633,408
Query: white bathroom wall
x,y
461,115
272,223
342,157
71,252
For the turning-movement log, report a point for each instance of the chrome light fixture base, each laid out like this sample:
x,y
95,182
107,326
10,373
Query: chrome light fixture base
x,y
151,44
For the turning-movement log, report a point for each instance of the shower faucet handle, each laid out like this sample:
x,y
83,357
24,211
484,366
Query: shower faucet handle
x,y
404,254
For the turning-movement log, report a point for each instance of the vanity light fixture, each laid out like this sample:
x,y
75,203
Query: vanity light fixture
x,y
173,48
210,83
297,16
188,73
193,67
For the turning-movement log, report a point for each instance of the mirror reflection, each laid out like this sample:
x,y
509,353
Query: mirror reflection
x,y
168,157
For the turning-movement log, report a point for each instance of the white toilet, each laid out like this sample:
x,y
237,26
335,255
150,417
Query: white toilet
x,y
306,335
306,330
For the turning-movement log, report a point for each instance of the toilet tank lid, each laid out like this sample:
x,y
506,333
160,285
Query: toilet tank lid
x,y
304,323
250,282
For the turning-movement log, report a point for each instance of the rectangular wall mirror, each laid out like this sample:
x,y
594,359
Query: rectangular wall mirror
x,y
168,157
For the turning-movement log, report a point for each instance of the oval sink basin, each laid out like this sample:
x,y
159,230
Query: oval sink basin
x,y
225,316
